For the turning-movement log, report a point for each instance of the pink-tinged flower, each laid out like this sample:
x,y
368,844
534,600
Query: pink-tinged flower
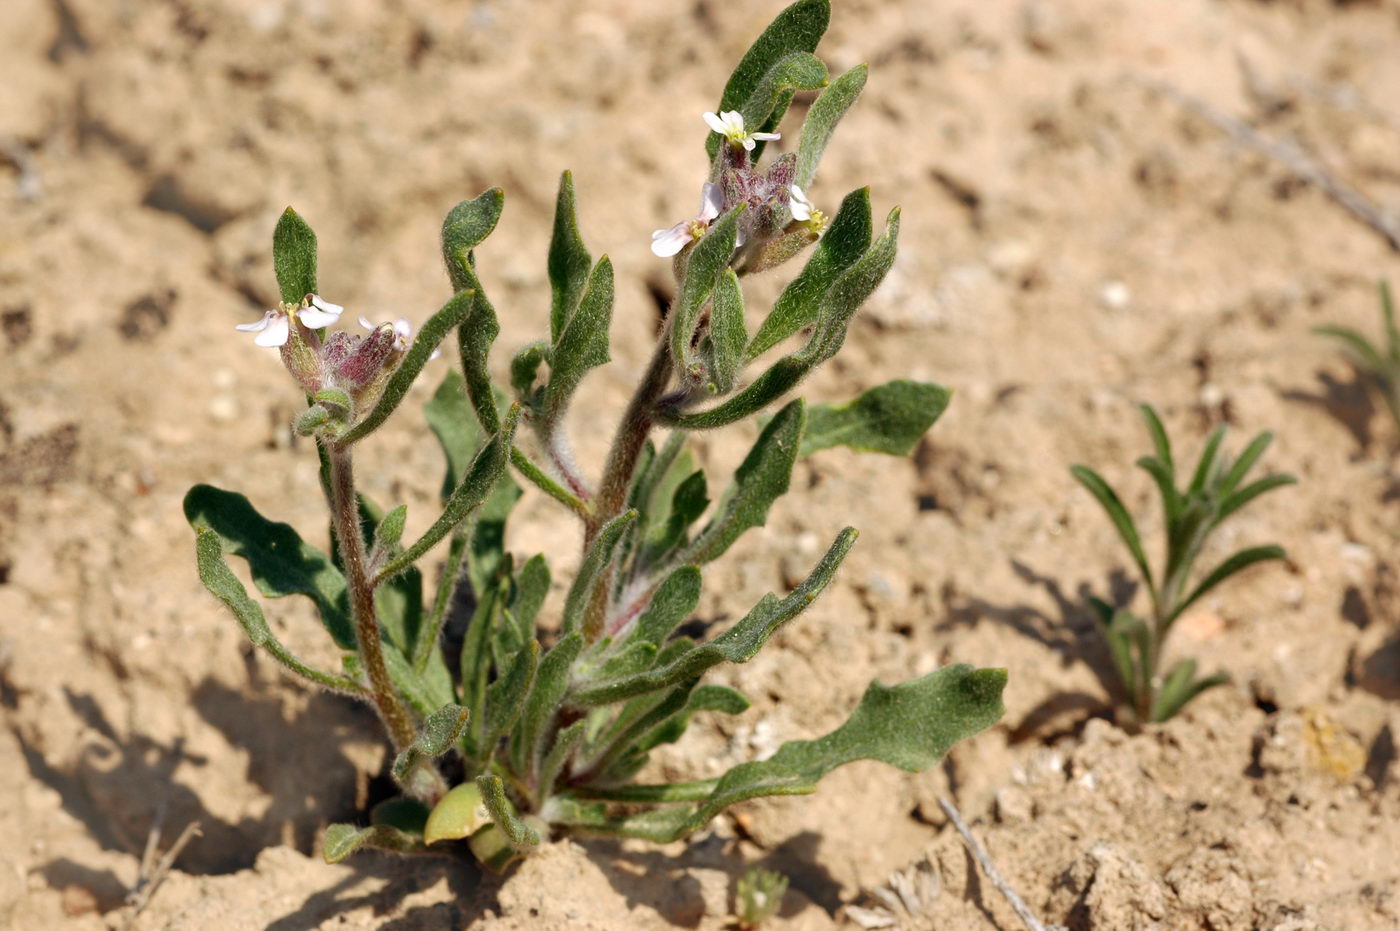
x,y
730,125
668,242
275,326
403,334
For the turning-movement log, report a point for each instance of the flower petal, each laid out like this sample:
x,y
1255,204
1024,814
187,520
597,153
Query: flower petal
x,y
766,137
257,325
364,322
711,202
321,303
277,331
668,242
733,119
316,319
748,143
800,206
715,123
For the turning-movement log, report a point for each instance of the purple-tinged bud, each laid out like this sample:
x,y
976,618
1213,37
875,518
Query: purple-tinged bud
x,y
782,171
301,354
356,364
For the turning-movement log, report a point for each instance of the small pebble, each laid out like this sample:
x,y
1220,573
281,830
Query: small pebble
x,y
1114,295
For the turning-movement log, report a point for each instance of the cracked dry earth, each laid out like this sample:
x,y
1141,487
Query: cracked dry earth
x,y
1075,241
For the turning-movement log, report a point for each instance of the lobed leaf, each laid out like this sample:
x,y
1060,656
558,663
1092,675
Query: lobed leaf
x,y
280,562
890,418
294,257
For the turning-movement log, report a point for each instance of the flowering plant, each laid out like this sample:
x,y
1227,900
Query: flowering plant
x,y
551,739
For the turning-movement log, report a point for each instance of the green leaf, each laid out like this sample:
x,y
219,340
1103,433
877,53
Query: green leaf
x,y
845,241
441,730
341,840
761,479
565,744
294,257
224,585
910,726
450,418
466,227
425,692
708,260
690,500
493,796
389,533
764,108
1242,465
1126,634
452,314
488,531
826,111
1162,475
474,339
551,682
1205,467
568,260
531,589
1239,561
486,469
458,814
849,291
406,814
1117,513
475,663
1251,491
727,333
798,28
592,572
1367,354
717,698
674,602
505,699
887,419
583,343
738,644
1179,687
281,563
524,369
1160,442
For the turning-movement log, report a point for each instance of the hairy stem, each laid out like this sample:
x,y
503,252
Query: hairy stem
x,y
345,513
631,437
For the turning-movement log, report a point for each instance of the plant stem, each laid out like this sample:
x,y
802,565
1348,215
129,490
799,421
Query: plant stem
x,y
345,514
631,437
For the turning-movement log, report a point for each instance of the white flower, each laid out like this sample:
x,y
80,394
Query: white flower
x,y
730,125
669,242
275,327
403,334
800,206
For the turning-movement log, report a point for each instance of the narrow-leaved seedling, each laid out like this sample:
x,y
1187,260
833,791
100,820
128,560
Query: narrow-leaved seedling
x,y
1381,365
529,728
1190,515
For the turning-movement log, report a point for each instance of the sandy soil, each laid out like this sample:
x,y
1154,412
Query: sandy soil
x,y
1075,242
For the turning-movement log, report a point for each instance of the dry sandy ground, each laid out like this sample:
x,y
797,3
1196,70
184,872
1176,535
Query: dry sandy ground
x,y
1075,242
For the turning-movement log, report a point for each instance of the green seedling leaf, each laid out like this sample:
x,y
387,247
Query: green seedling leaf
x,y
738,644
493,796
1125,633
889,419
1162,476
845,241
1236,563
486,469
452,314
761,479
551,682
583,343
294,257
458,814
224,585
1179,687
798,28
505,699
591,574
1251,491
1160,442
441,730
1117,513
1368,354
825,113
466,227
281,563
1205,467
1242,465
708,260
341,840
568,260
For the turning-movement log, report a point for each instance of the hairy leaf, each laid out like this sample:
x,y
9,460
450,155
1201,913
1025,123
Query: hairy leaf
x,y
441,730
825,113
568,259
466,227
341,840
551,682
888,419
583,343
493,796
294,257
708,260
591,573
727,333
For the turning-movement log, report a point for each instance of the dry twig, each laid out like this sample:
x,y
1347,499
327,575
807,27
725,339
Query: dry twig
x,y
153,871
993,874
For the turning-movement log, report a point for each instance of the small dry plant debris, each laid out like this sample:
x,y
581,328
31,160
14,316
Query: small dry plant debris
x,y
1380,364
551,739
1215,491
